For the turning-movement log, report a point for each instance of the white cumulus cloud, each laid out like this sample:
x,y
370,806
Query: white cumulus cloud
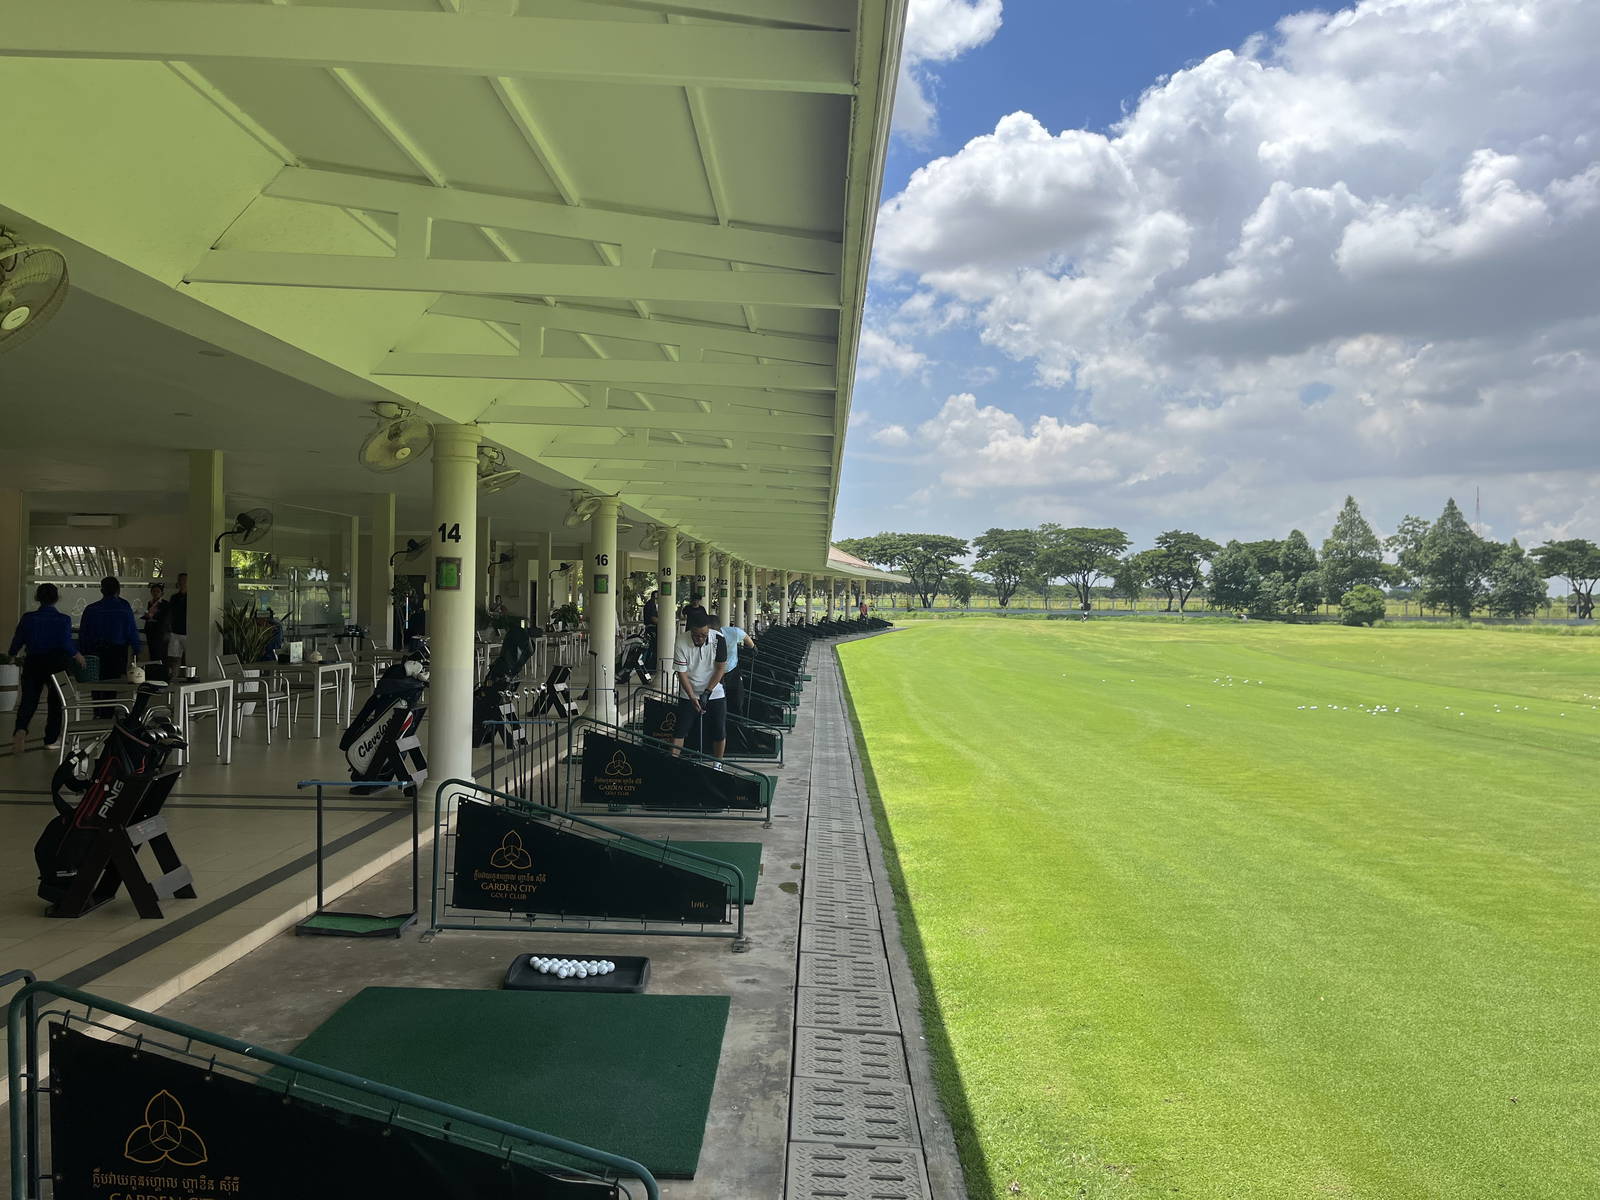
x,y
1361,250
937,31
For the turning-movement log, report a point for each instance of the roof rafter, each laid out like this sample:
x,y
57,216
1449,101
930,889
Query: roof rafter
x,y
633,418
731,56
516,278
605,370
632,231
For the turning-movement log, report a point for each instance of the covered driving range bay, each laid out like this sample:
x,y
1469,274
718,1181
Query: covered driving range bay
x,y
1224,910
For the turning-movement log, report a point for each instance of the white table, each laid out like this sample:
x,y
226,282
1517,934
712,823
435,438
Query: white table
x,y
344,693
183,693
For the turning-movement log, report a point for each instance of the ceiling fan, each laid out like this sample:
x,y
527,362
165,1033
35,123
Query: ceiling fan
x,y
33,286
399,440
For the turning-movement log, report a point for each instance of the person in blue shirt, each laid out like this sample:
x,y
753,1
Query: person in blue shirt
x,y
732,681
46,634
109,631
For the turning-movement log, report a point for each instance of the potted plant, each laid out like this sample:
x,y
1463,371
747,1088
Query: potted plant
x,y
248,635
10,682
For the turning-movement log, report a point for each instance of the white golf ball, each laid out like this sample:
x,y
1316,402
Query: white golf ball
x,y
581,973
564,972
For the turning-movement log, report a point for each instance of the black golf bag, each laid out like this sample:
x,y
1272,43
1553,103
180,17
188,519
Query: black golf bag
x,y
382,741
86,851
494,701
637,657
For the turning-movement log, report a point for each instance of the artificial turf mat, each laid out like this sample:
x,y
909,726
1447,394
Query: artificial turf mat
x,y
628,1074
744,855
1230,911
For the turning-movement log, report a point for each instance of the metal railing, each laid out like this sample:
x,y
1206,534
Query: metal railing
x,y
445,914
284,1075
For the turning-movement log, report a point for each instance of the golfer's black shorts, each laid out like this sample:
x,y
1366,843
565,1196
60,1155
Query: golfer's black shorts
x,y
716,723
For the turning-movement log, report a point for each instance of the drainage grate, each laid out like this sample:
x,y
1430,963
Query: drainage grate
x,y
843,1173
851,1114
840,939
821,970
868,1057
841,891
839,914
870,1010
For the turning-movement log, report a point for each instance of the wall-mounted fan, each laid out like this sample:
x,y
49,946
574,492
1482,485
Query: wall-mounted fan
x,y
247,527
492,473
33,285
654,536
399,440
414,550
583,506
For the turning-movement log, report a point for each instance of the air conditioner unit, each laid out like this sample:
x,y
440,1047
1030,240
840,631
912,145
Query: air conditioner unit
x,y
95,520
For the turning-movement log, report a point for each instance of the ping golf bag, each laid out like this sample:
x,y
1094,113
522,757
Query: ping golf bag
x,y
86,851
638,651
495,699
382,741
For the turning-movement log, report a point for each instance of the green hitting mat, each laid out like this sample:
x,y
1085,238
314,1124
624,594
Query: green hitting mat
x,y
744,855
630,1074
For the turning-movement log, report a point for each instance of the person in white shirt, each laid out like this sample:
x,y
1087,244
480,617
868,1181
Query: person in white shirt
x,y
699,660
732,681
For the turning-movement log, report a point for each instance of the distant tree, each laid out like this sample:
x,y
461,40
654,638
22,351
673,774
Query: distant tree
x,y
1083,556
1577,560
1455,563
1176,565
1516,584
960,586
1128,578
1267,555
1352,553
926,558
1302,583
1362,605
1235,579
1405,543
1007,557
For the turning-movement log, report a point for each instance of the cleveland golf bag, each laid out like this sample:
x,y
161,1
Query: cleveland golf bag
x,y
494,701
382,742
96,798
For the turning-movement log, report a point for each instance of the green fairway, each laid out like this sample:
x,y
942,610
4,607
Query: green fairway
x,y
1198,924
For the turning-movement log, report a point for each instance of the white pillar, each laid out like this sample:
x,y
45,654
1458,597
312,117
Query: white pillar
x,y
667,602
378,609
722,590
207,518
702,574
811,589
14,542
783,601
832,582
605,574
454,597
544,556
749,613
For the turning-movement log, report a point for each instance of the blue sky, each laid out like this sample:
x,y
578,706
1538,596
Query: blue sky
x,y
1122,278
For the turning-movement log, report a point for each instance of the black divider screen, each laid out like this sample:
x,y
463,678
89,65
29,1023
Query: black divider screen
x,y
619,772
125,1124
661,722
508,862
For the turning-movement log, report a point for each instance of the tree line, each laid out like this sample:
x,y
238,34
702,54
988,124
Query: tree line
x,y
1444,563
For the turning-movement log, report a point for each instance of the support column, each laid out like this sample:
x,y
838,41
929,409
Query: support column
x,y
783,602
378,609
667,603
604,574
811,588
724,588
455,582
14,541
544,587
749,621
207,518
702,574
829,610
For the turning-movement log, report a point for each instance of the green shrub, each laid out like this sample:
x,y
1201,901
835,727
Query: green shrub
x,y
1362,605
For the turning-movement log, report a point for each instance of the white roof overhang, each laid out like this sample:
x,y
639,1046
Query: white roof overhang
x,y
629,238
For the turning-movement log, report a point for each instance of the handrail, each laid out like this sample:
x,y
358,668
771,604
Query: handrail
x,y
625,1167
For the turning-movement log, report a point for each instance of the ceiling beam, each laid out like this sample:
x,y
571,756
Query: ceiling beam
x,y
631,231
605,370
655,491
692,339
725,56
632,451
362,273
638,418
673,472
816,14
